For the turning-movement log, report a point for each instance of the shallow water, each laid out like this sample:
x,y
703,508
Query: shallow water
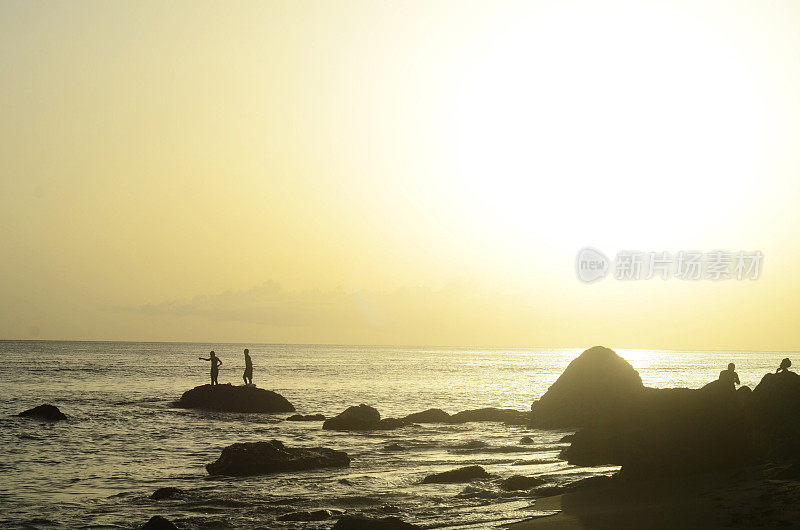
x,y
124,438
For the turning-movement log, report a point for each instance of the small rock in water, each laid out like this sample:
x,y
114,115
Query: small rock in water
x,y
547,491
462,474
353,522
258,458
44,412
520,482
526,440
393,447
429,416
345,482
306,417
166,493
159,523
362,418
316,515
510,416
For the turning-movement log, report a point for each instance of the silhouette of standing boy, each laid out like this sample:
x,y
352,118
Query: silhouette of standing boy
x,y
248,368
215,363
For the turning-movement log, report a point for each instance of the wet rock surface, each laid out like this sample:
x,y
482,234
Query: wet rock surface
x,y
462,474
230,398
44,412
257,458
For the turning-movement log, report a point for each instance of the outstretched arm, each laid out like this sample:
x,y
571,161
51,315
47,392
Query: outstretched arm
x,y
203,359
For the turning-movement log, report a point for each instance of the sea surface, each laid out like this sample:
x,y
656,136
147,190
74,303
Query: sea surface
x,y
124,437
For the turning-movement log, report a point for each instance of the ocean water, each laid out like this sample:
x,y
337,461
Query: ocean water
x,y
124,438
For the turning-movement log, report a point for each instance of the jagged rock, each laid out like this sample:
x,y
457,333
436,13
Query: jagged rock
x,y
462,474
159,523
257,458
598,383
510,416
520,482
353,522
316,515
166,493
44,412
306,417
230,398
526,440
428,416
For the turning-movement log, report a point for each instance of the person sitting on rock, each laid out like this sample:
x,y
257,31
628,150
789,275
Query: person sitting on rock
x,y
248,368
215,363
729,377
784,367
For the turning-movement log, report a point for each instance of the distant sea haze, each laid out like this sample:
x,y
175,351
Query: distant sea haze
x,y
124,438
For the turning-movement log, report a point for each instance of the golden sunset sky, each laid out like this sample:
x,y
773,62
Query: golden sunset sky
x,y
396,172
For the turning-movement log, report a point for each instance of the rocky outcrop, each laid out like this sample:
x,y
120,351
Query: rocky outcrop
x,y
230,398
258,458
159,523
44,412
776,411
520,482
363,418
306,417
462,474
429,416
355,522
597,384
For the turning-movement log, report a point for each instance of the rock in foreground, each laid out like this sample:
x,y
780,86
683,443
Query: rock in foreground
x,y
258,458
229,398
352,522
44,412
462,474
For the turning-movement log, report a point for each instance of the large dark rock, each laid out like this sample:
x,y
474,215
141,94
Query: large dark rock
x,y
354,522
429,416
462,474
257,458
44,412
363,418
510,416
159,523
668,432
229,398
776,411
597,384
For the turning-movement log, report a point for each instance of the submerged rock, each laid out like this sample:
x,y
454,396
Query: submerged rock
x,y
393,447
462,474
230,398
166,493
597,383
257,458
306,417
428,416
354,522
363,418
159,523
520,482
44,412
525,440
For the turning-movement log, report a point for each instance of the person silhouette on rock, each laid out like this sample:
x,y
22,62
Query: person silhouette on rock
x,y
729,377
215,364
248,368
784,367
